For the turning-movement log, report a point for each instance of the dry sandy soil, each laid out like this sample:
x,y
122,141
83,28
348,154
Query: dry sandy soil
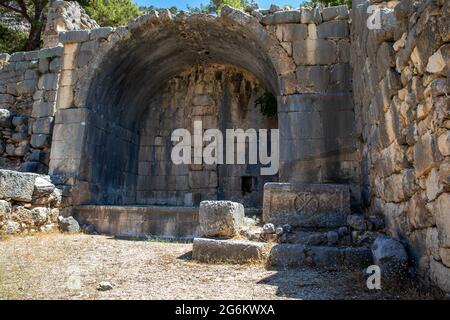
x,y
72,266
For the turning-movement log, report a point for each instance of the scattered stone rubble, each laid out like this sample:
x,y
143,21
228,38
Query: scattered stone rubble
x,y
28,203
356,246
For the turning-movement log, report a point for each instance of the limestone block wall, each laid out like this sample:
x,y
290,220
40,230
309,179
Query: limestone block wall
x,y
18,82
221,97
28,203
316,113
28,89
402,108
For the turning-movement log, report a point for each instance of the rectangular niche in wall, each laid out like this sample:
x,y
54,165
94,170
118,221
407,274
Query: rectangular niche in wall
x,y
248,184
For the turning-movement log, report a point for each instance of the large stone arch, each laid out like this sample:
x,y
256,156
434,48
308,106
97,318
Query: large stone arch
x,y
160,46
111,74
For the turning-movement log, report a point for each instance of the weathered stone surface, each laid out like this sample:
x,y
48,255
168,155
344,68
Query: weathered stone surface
x,y
236,251
292,32
299,255
17,186
419,216
356,222
280,17
312,52
40,140
101,33
333,29
220,218
105,286
332,237
40,215
440,275
390,255
69,225
440,209
42,187
5,209
74,36
444,143
433,185
43,125
303,205
306,16
5,118
391,160
288,255
268,228
444,254
438,61
432,243
335,12
426,154
12,227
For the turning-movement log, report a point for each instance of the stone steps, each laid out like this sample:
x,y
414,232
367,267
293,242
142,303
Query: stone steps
x,y
281,255
228,251
317,238
299,255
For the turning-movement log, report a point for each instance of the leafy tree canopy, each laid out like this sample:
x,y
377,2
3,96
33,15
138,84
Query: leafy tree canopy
x,y
11,41
214,6
111,13
33,12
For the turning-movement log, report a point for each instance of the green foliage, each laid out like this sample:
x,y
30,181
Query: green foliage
x,y
11,41
328,3
31,11
144,9
215,6
112,13
267,104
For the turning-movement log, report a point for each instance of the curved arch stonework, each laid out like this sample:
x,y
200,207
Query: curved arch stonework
x,y
109,75
362,117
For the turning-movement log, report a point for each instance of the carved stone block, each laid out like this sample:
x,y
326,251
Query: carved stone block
x,y
306,205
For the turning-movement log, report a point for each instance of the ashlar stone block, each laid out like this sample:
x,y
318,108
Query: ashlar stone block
x,y
306,205
220,218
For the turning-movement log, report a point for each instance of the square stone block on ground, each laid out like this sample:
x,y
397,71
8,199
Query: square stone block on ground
x,y
306,205
220,218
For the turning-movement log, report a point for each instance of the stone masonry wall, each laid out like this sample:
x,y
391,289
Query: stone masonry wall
x,y
221,96
28,203
18,81
28,89
316,117
402,106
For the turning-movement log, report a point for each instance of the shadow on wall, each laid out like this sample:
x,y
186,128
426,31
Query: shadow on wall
x,y
134,77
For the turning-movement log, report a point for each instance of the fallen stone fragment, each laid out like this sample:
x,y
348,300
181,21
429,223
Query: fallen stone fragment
x,y
104,286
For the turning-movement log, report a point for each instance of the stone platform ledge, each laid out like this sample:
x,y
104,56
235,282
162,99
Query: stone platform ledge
x,y
306,205
141,221
230,251
299,255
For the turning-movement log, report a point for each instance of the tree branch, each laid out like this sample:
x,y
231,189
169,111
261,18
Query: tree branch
x,y
22,10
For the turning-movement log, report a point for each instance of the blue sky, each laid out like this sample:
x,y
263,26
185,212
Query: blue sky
x,y
181,4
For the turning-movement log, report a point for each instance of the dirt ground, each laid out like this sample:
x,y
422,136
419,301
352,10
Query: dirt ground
x,y
72,266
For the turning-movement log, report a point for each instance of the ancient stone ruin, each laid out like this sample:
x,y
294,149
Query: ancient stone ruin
x,y
362,112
